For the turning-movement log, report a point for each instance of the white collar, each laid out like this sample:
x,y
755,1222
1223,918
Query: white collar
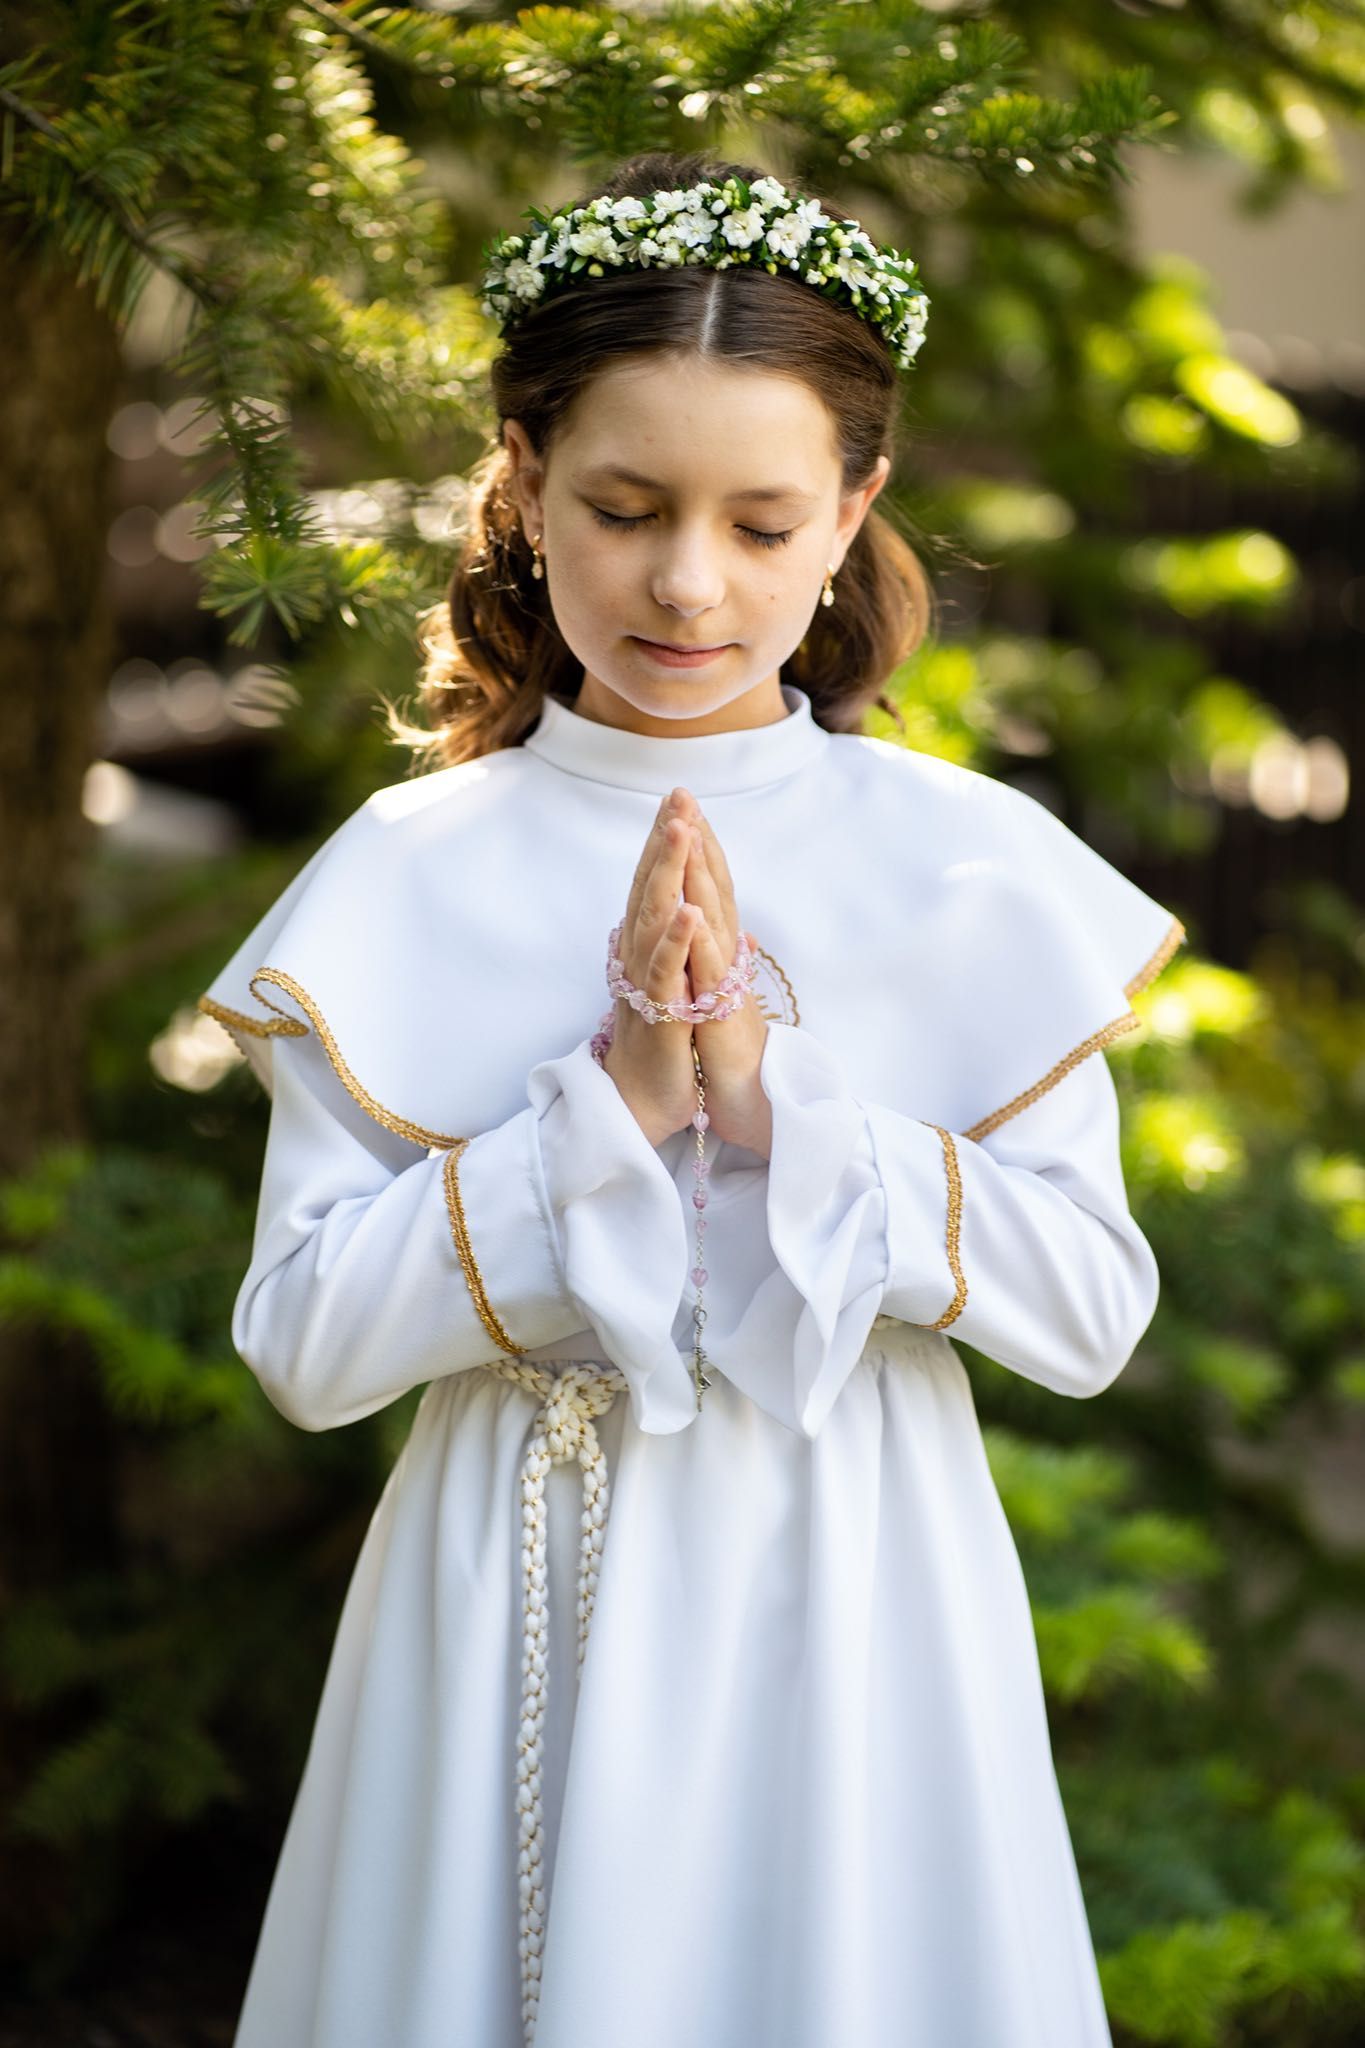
x,y
709,764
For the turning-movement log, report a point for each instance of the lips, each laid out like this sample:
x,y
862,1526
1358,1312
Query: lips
x,y
674,648
664,656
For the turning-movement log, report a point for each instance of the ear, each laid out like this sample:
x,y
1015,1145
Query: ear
x,y
854,508
526,484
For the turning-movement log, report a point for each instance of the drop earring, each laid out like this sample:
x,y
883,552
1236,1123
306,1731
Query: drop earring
x,y
827,594
538,564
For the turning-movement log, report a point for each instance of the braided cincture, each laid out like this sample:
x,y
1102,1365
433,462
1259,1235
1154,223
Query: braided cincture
x,y
563,1429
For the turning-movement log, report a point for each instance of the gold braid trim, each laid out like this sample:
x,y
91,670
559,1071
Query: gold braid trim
x,y
285,1026
1174,937
233,1020
953,1233
780,975
1106,1034
459,1230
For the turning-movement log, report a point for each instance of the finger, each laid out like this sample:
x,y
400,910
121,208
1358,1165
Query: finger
x,y
715,853
657,885
662,887
699,886
719,872
706,967
660,845
649,854
669,956
706,961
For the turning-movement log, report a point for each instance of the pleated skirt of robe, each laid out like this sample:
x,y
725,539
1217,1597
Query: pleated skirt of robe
x,y
802,1794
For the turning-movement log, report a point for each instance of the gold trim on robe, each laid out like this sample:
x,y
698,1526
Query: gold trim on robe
x,y
952,1234
459,1230
1106,1034
289,1027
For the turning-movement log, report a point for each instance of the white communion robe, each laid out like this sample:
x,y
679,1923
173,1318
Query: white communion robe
x,y
800,1791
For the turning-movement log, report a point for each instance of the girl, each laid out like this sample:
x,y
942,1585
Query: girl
x,y
685,1694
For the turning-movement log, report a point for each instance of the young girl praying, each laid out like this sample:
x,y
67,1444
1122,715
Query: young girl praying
x,y
663,1081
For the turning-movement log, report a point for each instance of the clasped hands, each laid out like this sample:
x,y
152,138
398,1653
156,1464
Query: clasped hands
x,y
676,952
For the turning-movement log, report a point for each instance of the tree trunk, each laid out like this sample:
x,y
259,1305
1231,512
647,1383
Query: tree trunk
x,y
57,1493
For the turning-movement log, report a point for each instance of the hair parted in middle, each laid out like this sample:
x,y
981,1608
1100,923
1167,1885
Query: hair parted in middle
x,y
491,649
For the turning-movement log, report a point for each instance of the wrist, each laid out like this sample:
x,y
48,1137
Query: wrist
x,y
746,1121
644,1114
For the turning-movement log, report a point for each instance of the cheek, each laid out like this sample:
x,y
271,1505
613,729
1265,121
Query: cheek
x,y
588,579
786,588
591,563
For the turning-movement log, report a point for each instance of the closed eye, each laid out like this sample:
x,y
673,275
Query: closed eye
x,y
615,519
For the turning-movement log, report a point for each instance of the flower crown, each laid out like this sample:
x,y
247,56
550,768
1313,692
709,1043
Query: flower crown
x,y
714,225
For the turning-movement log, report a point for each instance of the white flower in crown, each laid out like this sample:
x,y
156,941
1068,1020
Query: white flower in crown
x,y
741,230
597,240
812,213
688,231
856,274
524,280
767,193
787,235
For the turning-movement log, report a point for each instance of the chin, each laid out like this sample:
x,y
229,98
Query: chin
x,y
682,696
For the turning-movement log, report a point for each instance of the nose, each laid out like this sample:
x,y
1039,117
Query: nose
x,y
687,577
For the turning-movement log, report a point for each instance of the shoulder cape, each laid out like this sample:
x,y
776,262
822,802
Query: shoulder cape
x,y
435,981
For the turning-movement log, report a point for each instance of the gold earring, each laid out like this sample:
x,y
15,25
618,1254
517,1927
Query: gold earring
x,y
827,594
538,565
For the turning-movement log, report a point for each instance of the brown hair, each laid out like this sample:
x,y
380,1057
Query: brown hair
x,y
491,648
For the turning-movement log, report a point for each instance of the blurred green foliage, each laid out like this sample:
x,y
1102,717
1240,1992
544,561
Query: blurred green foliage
x,y
1190,1592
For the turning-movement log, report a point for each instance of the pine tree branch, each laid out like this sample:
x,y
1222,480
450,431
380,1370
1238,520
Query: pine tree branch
x,y
204,289
421,42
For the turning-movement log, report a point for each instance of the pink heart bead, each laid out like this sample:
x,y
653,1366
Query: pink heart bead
x,y
700,1276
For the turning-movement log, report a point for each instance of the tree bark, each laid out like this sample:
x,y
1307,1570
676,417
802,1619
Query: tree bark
x,y
57,1462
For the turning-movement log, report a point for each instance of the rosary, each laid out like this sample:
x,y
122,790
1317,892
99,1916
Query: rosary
x,y
716,1003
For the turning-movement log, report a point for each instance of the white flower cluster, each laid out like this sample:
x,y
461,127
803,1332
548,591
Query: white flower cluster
x,y
715,225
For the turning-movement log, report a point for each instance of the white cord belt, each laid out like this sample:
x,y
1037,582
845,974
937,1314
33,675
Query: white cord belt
x,y
563,1429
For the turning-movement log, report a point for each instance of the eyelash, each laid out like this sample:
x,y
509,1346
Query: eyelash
x,y
614,519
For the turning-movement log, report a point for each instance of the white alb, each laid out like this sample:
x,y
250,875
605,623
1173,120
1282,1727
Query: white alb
x,y
644,1727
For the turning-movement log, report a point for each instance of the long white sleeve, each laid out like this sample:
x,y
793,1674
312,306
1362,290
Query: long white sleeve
x,y
852,1217
356,1290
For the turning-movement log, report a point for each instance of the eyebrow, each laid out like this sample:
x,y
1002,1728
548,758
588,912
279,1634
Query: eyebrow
x,y
614,472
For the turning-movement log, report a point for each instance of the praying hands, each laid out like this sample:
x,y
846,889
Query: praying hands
x,y
676,952
730,1050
